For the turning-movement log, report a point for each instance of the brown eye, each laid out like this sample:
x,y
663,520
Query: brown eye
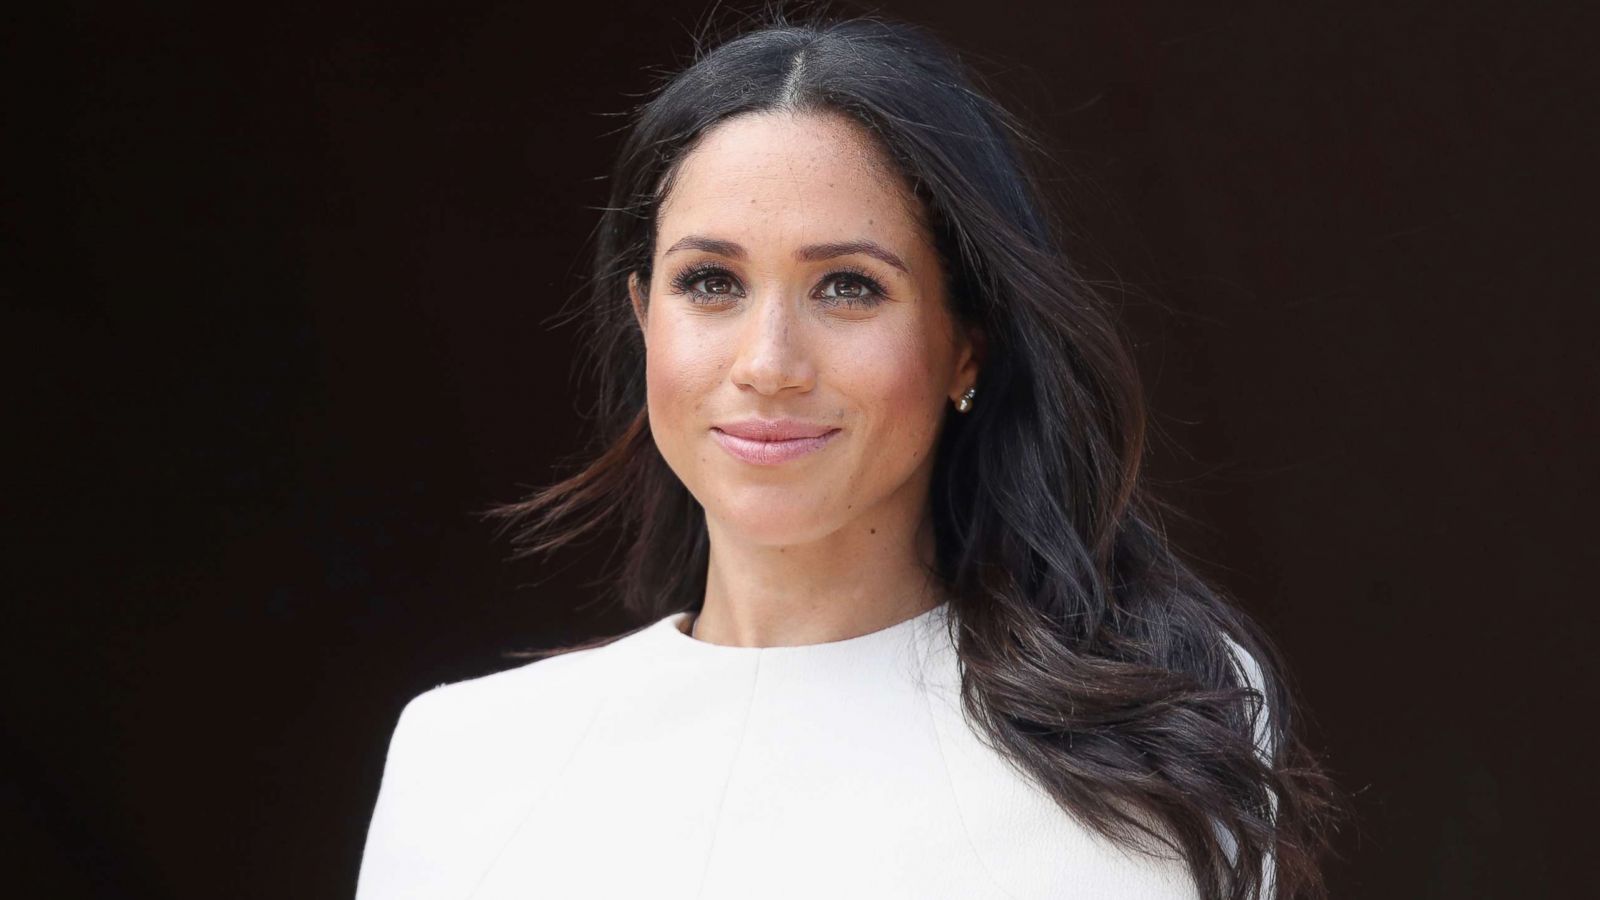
x,y
845,287
705,284
852,289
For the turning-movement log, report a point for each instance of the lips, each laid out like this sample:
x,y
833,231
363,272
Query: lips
x,y
767,442
773,429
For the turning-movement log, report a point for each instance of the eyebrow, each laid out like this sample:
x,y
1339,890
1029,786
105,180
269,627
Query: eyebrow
x,y
808,253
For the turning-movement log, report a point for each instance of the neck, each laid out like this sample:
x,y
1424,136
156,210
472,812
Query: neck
x,y
861,579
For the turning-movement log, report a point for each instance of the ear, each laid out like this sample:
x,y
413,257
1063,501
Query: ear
x,y
636,298
971,352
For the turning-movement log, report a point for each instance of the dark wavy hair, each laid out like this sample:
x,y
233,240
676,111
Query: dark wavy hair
x,y
1091,654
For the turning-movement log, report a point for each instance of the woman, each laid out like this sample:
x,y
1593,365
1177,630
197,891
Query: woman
x,y
914,627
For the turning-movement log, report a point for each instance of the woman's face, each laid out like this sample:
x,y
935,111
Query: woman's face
x,y
795,289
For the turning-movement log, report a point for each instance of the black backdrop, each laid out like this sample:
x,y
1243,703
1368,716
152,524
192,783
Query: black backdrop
x,y
278,287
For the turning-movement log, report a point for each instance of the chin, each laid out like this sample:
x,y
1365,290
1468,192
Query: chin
x,y
761,517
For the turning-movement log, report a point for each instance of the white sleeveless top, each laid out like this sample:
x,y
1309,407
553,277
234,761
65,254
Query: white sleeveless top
x,y
663,766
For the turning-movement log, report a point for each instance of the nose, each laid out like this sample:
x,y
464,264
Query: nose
x,y
772,353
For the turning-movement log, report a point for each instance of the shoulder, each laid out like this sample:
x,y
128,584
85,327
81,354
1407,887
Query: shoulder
x,y
446,733
464,703
531,701
464,757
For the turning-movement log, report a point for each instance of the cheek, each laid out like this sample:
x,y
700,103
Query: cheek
x,y
682,366
897,381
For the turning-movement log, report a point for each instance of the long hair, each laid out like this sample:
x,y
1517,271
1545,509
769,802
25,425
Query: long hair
x,y
1091,654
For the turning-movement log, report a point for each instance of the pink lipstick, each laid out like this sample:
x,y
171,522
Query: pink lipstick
x,y
770,442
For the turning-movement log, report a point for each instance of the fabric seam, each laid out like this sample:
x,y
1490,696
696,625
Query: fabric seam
x,y
533,804
733,765
955,796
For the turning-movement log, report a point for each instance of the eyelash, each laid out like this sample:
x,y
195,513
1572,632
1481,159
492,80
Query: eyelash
x,y
688,277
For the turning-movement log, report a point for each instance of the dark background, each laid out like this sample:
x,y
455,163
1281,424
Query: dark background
x,y
278,291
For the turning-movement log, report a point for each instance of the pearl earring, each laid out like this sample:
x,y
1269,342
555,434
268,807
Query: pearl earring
x,y
965,403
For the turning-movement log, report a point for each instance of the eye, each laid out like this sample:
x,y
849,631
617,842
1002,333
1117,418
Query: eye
x,y
853,288
705,284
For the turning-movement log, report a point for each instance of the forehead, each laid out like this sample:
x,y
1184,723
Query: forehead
x,y
798,175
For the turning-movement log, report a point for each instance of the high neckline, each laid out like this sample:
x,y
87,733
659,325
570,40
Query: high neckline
x,y
671,633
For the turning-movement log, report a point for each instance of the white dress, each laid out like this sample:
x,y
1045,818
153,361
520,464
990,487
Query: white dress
x,y
663,766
